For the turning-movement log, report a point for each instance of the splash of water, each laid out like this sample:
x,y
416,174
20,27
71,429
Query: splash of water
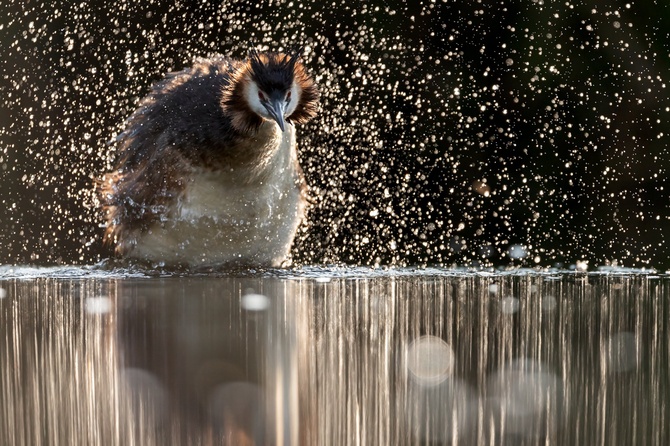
x,y
450,132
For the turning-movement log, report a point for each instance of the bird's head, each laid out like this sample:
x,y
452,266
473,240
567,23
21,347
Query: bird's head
x,y
272,87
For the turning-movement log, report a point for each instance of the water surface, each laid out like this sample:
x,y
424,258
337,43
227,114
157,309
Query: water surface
x,y
334,356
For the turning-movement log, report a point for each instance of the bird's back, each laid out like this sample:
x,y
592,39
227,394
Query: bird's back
x,y
181,112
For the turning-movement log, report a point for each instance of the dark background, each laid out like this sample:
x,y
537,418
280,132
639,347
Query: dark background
x,y
450,132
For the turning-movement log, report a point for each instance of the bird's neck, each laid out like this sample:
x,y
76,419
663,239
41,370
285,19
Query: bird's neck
x,y
276,149
252,155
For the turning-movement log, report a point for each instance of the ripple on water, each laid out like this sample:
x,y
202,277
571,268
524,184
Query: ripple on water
x,y
322,274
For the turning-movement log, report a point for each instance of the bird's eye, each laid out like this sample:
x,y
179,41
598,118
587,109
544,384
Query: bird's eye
x,y
261,96
288,97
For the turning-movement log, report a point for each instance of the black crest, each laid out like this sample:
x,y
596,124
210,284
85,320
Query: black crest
x,y
273,71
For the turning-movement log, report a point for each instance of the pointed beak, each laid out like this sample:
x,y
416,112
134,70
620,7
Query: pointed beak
x,y
276,108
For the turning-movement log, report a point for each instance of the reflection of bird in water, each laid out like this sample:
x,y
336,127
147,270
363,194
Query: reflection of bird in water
x,y
208,171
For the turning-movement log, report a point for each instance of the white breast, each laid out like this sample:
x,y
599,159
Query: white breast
x,y
241,215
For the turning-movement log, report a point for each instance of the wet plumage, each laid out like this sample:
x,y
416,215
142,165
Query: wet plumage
x,y
207,169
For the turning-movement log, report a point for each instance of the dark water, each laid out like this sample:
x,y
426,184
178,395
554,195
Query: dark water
x,y
327,356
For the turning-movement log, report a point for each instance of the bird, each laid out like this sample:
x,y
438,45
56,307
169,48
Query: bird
x,y
207,170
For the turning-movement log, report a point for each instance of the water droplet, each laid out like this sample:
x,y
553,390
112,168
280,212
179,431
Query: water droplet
x,y
517,252
430,360
255,302
98,305
509,305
